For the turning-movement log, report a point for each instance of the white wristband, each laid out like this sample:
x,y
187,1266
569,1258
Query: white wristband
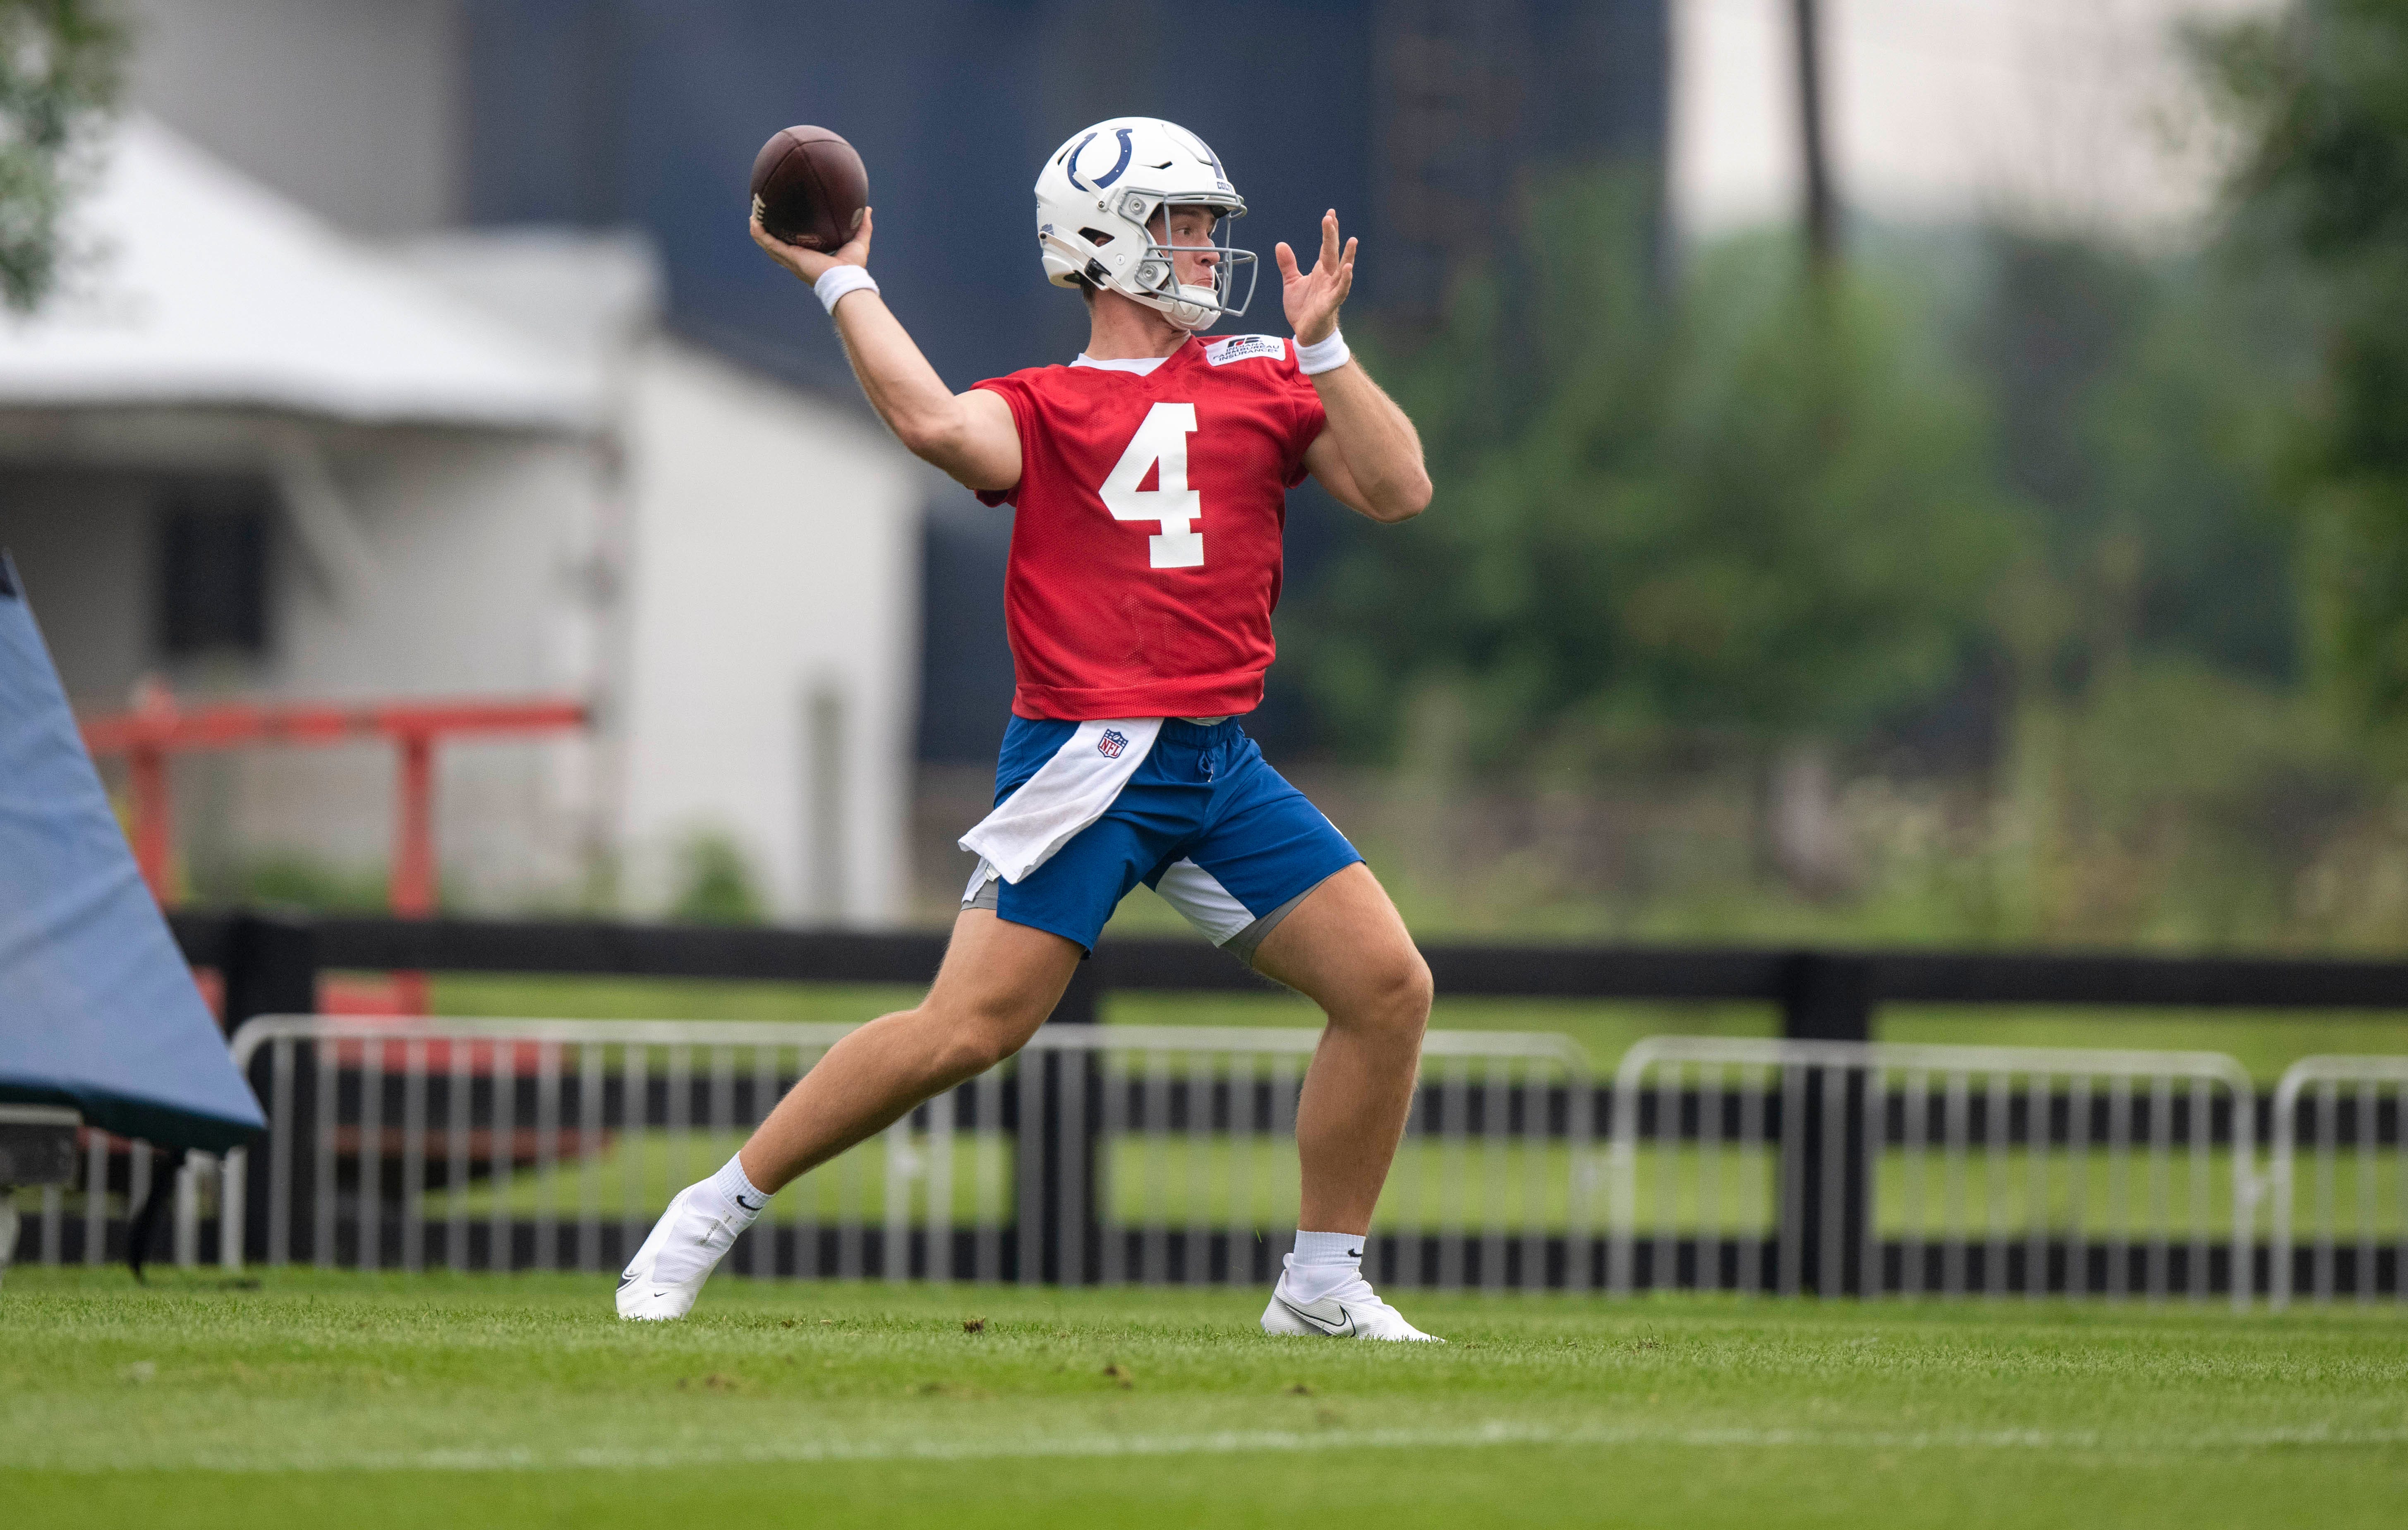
x,y
1322,355
837,281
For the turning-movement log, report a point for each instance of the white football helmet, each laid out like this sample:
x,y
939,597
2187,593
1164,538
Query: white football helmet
x,y
1097,198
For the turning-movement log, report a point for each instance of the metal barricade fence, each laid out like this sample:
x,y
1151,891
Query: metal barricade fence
x,y
1493,1188
2347,1112
1140,1153
1160,1154
86,1219
1872,1168
550,1144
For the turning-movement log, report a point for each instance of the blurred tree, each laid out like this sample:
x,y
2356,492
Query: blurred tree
x,y
2136,406
1722,509
2158,777
59,75
2320,97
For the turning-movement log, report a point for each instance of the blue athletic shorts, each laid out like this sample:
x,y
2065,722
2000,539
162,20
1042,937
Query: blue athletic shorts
x,y
1204,821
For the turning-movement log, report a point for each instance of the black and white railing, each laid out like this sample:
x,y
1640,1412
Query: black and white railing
x,y
1101,1153
1165,1154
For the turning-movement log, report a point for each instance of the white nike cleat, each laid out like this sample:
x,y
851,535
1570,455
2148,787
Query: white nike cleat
x,y
686,1245
1354,1311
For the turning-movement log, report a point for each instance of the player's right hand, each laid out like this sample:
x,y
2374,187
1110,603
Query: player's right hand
x,y
810,265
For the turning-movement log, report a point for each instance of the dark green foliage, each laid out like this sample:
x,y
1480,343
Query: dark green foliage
x,y
2058,315
1969,469
715,884
2320,97
1996,519
59,78
2136,407
301,881
1759,507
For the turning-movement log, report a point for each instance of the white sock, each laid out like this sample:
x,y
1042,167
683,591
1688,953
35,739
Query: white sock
x,y
1323,1261
736,1189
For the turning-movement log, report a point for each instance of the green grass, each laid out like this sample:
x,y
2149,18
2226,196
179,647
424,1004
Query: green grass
x,y
318,1399
662,998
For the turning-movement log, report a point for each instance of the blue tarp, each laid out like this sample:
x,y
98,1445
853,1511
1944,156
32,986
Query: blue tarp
x,y
97,1009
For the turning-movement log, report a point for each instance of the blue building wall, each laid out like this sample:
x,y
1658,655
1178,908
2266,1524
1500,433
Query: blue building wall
x,y
1417,121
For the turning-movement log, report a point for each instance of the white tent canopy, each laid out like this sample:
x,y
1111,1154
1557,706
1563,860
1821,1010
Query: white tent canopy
x,y
208,290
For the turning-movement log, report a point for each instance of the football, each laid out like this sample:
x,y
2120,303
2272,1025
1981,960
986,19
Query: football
x,y
808,188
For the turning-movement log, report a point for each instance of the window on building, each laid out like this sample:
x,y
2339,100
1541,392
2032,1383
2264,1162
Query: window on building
x,y
212,567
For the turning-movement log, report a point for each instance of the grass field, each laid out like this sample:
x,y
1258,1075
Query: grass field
x,y
322,1399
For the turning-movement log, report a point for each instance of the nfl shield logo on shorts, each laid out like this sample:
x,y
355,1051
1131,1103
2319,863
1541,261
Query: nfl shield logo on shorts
x,y
1111,743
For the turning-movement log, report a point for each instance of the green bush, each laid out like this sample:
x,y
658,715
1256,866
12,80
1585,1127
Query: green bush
x,y
715,883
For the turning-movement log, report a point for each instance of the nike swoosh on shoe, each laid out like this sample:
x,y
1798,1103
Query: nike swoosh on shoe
x,y
1324,1324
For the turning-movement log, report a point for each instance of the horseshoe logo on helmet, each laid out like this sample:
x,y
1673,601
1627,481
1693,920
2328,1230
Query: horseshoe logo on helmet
x,y
1119,166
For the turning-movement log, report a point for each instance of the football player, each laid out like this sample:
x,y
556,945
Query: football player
x,y
1149,478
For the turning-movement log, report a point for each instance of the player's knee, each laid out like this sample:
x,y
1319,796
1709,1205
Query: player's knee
x,y
977,1039
967,1055
1413,989
1396,999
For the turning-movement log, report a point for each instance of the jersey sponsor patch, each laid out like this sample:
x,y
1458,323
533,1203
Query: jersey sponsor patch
x,y
1242,347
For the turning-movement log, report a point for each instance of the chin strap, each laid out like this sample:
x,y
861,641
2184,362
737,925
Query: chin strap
x,y
1193,313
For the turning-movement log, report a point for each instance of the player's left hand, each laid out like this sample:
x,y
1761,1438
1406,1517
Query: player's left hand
x,y
1312,297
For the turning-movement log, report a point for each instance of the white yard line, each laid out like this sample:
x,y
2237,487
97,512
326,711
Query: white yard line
x,y
1239,1442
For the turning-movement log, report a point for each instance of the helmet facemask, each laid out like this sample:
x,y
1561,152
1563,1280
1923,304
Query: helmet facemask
x,y
1189,305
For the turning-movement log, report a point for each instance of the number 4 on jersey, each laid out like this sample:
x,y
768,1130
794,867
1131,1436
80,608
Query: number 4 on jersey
x,y
1162,439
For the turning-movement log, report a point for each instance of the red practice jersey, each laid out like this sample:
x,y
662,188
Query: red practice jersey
x,y
1146,552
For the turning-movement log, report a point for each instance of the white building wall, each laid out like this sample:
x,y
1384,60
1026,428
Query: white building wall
x,y
477,582
773,559
476,543
472,573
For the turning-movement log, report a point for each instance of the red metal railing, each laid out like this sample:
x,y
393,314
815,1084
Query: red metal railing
x,y
158,726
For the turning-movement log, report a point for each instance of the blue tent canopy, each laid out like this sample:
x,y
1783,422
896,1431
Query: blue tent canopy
x,y
97,1009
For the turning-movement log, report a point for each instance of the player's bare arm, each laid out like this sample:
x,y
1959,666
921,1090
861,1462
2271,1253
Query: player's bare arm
x,y
970,436
1370,458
